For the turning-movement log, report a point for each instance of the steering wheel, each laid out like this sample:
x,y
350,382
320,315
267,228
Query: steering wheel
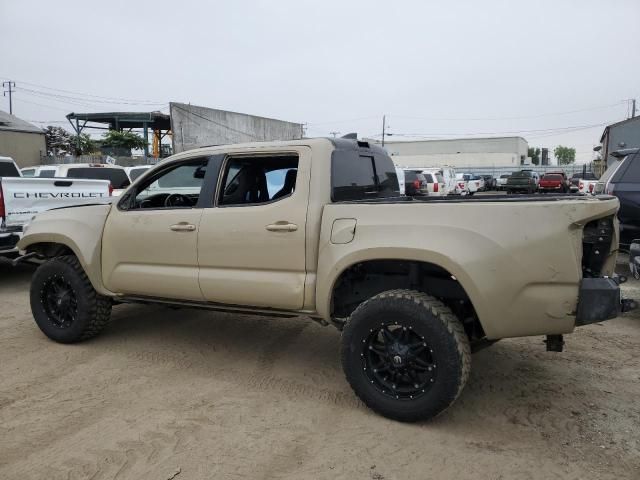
x,y
177,200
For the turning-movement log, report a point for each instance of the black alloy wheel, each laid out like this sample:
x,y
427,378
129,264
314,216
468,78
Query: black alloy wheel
x,y
398,361
59,301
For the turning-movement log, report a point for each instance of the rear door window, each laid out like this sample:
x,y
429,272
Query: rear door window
x,y
117,176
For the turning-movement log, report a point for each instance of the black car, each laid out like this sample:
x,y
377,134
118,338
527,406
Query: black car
x,y
415,184
622,179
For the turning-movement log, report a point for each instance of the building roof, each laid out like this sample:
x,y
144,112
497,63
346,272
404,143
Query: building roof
x,y
11,123
606,129
154,120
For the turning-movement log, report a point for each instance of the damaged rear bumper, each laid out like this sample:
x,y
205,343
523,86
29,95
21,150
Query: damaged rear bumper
x,y
600,300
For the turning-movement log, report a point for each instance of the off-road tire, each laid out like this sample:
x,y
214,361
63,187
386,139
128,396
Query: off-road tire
x,y
93,310
427,317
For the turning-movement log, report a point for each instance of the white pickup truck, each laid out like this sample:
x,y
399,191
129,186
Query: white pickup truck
x,y
21,198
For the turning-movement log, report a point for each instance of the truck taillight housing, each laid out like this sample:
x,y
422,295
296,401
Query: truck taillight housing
x,y
436,188
416,184
581,186
110,190
591,188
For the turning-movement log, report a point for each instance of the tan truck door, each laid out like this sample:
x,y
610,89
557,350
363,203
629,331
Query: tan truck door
x,y
251,244
150,248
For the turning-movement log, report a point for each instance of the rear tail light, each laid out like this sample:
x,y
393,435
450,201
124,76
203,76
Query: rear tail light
x,y
436,188
416,184
581,186
591,188
110,190
2,213
461,185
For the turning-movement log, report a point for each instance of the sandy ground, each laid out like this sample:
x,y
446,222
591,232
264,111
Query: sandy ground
x,y
186,394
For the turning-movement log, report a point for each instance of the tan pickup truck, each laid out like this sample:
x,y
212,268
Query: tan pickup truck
x,y
317,228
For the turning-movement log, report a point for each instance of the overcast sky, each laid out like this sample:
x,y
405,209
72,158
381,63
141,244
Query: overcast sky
x,y
436,69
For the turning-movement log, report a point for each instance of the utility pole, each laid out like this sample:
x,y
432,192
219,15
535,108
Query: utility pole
x,y
384,128
633,107
334,134
9,85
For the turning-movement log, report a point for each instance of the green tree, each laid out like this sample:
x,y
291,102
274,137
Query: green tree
x,y
128,140
534,153
58,141
87,145
565,155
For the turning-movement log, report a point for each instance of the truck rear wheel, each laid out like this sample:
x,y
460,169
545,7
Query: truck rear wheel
x,y
405,355
64,303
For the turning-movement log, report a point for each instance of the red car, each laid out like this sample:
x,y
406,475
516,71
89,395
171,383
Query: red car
x,y
553,182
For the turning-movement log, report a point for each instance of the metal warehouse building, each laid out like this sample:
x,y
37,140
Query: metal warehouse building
x,y
20,140
459,152
195,126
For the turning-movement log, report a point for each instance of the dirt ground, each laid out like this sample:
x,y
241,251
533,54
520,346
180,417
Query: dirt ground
x,y
185,394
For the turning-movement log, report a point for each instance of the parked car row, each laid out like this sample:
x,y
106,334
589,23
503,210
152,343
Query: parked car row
x,y
445,181
119,177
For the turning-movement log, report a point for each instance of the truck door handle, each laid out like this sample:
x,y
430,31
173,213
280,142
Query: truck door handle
x,y
182,227
282,227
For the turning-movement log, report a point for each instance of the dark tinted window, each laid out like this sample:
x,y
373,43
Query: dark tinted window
x,y
136,172
506,175
49,173
522,174
116,176
356,177
632,171
8,169
387,176
428,177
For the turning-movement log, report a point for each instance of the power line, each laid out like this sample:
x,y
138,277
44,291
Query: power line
x,y
75,93
78,100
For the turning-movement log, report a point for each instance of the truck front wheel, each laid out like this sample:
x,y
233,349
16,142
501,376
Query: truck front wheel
x,y
64,303
406,355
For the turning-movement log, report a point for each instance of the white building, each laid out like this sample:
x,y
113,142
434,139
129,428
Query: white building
x,y
459,152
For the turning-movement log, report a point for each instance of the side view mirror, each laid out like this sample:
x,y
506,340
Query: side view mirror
x,y
634,259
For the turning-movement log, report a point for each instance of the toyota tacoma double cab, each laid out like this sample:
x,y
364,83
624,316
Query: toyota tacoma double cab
x,y
317,228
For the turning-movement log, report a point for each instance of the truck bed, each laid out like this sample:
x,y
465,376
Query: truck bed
x,y
550,197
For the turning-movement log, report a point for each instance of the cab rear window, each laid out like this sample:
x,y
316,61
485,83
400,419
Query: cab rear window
x,y
8,169
116,176
358,176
